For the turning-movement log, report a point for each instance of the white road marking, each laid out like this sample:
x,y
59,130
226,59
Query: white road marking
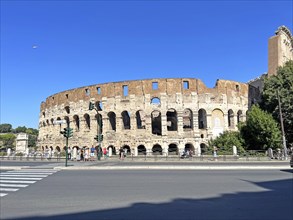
x,y
3,194
19,178
13,185
22,175
8,189
16,181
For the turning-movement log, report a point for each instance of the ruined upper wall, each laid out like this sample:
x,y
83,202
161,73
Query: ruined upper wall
x,y
280,49
169,86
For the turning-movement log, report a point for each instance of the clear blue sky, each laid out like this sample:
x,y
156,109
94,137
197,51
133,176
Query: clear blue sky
x,y
51,46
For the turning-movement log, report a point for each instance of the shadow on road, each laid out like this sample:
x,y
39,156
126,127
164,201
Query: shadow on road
x,y
274,201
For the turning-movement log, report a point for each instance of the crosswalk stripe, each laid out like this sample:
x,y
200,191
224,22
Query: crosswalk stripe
x,y
19,178
12,181
22,173
8,189
13,185
16,181
30,171
15,175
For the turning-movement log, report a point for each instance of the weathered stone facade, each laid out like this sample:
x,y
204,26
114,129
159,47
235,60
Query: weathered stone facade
x,y
280,49
161,116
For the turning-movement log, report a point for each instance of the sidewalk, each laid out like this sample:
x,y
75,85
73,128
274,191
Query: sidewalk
x,y
116,164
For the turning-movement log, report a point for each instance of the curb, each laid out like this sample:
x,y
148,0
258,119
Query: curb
x,y
177,168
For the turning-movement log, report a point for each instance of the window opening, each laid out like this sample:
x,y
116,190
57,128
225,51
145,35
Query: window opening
x,y
125,90
155,85
185,85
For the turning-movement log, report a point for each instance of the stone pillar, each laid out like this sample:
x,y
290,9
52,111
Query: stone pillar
x,y
180,122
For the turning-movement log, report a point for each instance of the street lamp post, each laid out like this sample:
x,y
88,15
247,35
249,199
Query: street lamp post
x,y
99,137
282,127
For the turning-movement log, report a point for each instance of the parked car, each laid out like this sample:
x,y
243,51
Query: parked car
x,y
291,160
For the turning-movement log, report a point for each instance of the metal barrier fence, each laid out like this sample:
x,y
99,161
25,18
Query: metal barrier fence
x,y
151,157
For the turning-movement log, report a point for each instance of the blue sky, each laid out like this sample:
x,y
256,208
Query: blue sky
x,y
51,46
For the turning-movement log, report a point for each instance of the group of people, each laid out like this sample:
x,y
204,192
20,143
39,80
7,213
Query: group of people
x,y
86,154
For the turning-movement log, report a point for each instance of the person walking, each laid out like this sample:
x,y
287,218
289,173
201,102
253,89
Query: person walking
x,y
69,153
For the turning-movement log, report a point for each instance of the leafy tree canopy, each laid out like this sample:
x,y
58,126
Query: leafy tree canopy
x,y
283,83
20,129
226,141
5,128
7,140
260,131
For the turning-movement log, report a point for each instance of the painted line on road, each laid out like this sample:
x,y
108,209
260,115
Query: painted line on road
x,y
19,178
13,185
8,189
22,173
3,194
16,175
15,181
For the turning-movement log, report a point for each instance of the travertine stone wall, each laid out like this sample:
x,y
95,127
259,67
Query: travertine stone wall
x,y
176,95
280,49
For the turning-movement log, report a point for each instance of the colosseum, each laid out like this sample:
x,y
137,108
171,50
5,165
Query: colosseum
x,y
154,116
157,115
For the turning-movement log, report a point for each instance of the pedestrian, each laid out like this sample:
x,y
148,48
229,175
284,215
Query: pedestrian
x,y
215,153
125,152
93,153
69,153
105,152
78,155
82,155
121,153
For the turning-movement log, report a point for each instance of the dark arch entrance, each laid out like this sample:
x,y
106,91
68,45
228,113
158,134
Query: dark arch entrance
x,y
157,149
141,150
173,149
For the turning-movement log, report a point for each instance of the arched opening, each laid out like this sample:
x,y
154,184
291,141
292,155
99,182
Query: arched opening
x,y
231,119
87,121
58,149
141,150
202,119
157,149
127,150
171,120
189,148
203,148
47,121
140,119
67,109
126,120
66,118
187,120
155,101
76,122
52,121
156,123
112,120
239,116
111,150
217,122
173,149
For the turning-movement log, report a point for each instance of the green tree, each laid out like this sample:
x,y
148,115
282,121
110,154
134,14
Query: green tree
x,y
282,82
5,128
260,131
32,140
32,131
7,140
226,141
20,129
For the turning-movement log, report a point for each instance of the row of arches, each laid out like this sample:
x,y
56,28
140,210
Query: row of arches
x,y
156,120
141,149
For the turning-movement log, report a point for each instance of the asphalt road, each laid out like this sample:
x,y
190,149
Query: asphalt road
x,y
154,194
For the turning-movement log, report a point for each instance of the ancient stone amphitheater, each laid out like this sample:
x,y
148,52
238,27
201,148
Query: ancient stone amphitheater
x,y
155,116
